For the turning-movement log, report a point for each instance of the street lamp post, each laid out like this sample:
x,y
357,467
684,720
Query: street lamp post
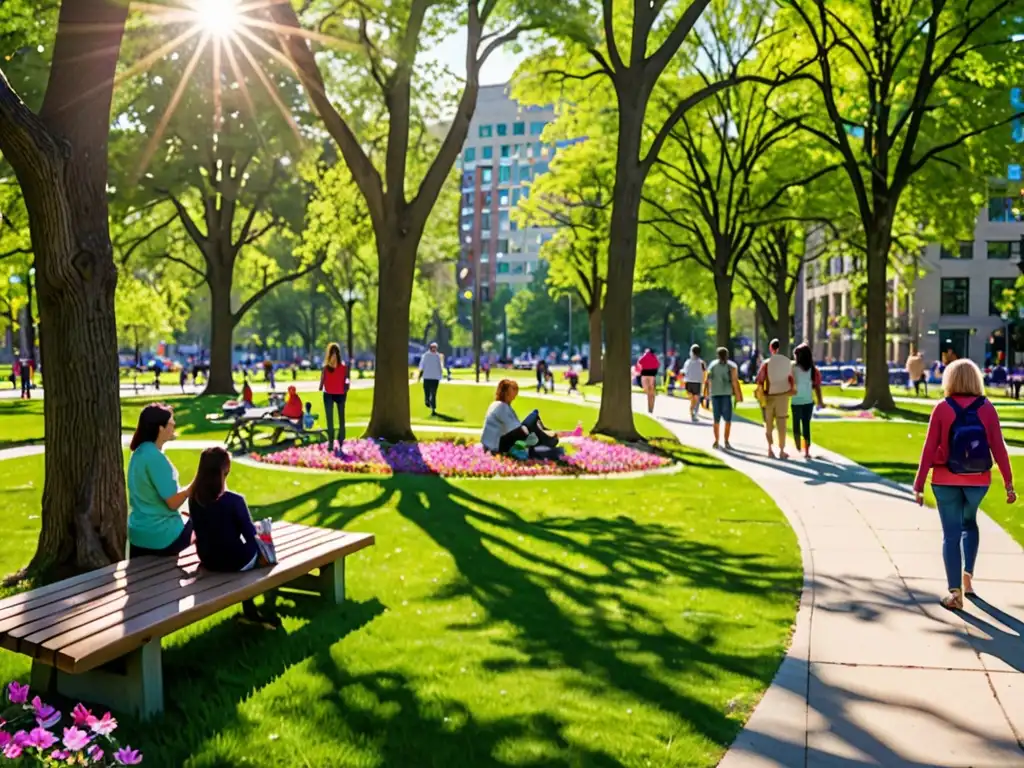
x,y
350,297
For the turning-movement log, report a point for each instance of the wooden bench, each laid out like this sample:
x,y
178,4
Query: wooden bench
x,y
96,637
242,437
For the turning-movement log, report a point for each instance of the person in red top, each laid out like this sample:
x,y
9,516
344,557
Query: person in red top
x,y
648,364
957,495
247,395
334,385
293,405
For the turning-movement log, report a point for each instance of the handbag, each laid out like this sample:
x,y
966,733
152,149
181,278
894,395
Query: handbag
x,y
266,551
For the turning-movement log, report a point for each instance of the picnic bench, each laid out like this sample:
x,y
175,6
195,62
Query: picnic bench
x,y
242,437
96,636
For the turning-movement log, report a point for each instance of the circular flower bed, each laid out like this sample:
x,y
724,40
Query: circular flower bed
x,y
585,456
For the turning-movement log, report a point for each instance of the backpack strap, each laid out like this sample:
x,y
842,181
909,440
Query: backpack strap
x,y
973,407
957,410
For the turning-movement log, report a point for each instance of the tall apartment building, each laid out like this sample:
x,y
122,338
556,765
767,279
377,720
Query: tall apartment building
x,y
503,154
951,305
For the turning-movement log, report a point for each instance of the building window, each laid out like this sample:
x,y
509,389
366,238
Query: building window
x,y
1005,209
486,176
504,174
470,154
996,287
485,224
964,250
518,268
955,296
487,200
485,131
503,198
488,153
1003,249
519,129
536,129
502,247
502,129
506,150
503,267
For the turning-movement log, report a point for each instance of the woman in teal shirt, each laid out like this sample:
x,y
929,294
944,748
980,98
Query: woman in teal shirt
x,y
155,526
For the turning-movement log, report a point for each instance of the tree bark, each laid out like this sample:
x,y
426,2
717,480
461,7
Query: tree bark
x,y
596,369
723,309
60,159
222,329
615,418
783,321
390,416
877,393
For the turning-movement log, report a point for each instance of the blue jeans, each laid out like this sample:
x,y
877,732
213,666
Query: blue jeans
x,y
958,512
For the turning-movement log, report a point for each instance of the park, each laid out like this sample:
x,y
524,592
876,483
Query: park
x,y
405,383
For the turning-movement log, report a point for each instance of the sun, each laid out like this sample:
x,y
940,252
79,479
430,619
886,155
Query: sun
x,y
218,18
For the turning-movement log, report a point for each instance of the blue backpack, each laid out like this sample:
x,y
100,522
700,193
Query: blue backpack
x,y
969,452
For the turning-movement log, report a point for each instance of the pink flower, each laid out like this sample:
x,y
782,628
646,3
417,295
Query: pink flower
x,y
127,756
46,715
12,751
104,726
5,739
95,753
82,716
75,739
17,693
41,738
60,754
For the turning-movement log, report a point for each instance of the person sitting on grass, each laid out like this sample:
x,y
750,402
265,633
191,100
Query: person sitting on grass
x,y
503,429
224,531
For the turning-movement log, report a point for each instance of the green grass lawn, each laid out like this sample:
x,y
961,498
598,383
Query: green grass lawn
x,y
461,406
495,623
898,461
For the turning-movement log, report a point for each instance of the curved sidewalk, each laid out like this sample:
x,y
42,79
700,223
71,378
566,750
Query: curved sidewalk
x,y
878,674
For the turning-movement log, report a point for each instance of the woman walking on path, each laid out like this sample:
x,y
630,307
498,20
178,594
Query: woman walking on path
x,y
155,527
807,379
648,363
722,385
334,385
693,376
963,439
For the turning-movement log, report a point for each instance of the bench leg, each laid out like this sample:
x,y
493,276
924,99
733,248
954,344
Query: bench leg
x,y
134,683
332,582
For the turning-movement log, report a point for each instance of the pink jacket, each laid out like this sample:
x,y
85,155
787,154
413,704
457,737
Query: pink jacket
x,y
936,447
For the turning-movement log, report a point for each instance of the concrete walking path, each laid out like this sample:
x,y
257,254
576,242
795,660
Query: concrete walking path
x,y
879,674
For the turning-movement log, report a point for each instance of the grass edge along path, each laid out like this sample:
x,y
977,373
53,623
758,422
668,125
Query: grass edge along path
x,y
629,623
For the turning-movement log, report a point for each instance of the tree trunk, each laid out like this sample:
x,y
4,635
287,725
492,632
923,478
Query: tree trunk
x,y
222,328
723,310
783,320
616,415
877,394
595,367
60,159
390,417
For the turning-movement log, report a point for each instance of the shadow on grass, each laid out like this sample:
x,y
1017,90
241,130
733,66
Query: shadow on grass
x,y
516,569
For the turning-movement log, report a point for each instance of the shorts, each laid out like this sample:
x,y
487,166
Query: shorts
x,y
721,408
777,406
652,372
693,388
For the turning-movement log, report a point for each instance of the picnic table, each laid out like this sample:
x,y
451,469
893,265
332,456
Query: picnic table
x,y
242,437
96,636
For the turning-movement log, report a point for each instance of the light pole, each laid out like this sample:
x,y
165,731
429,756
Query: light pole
x,y
350,296
570,326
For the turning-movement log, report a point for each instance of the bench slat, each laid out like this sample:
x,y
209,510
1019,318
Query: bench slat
x,y
29,635
115,641
155,568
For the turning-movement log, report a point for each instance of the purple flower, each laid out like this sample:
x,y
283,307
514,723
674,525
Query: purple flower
x,y
17,693
127,756
5,739
46,715
82,716
40,738
104,726
12,751
75,739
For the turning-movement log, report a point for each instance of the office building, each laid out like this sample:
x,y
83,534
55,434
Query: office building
x,y
951,304
503,154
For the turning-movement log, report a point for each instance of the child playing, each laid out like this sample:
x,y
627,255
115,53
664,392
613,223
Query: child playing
x,y
308,420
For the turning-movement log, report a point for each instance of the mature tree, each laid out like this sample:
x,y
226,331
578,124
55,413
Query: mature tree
x,y
217,162
538,317
393,150
910,88
147,311
59,155
575,197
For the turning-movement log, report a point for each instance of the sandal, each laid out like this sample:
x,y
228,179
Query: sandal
x,y
954,601
969,585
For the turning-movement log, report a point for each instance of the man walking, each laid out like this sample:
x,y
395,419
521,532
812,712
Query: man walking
x,y
915,373
721,386
431,373
776,377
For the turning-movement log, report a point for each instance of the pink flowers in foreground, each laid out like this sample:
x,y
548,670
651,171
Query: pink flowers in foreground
x,y
25,734
585,456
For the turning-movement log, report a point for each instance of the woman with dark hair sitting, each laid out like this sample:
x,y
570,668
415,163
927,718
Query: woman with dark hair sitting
x,y
155,526
225,534
503,429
